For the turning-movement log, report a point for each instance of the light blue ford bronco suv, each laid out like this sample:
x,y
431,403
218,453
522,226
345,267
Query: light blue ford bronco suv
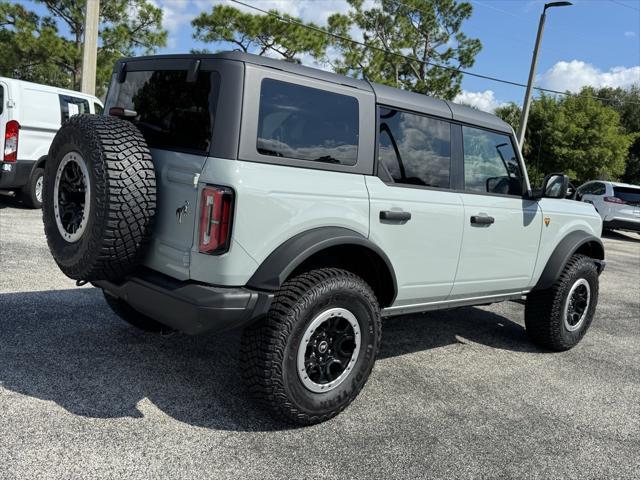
x,y
236,191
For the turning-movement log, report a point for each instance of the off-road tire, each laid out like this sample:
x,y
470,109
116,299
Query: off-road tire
x,y
130,315
28,192
269,348
122,197
543,314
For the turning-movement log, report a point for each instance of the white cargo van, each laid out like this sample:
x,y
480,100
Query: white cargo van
x,y
30,116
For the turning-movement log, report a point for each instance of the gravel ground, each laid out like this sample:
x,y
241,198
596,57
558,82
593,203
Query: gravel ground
x,y
458,394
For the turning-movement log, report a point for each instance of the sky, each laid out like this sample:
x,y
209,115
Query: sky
x,y
592,42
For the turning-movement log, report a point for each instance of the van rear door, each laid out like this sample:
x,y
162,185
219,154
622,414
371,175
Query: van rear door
x,y
172,107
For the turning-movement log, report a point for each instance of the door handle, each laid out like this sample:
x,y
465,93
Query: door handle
x,y
482,220
395,215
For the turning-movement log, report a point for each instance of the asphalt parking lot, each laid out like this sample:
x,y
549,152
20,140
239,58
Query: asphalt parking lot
x,y
459,394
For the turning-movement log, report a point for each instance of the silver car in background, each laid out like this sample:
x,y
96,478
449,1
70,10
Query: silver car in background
x,y
617,203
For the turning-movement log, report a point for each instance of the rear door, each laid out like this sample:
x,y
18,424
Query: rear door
x,y
4,115
173,111
501,228
415,217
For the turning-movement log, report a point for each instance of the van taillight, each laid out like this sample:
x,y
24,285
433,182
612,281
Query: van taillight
x,y
11,141
216,209
614,200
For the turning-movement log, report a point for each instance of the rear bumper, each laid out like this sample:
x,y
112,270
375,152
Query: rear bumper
x,y
622,224
190,307
14,175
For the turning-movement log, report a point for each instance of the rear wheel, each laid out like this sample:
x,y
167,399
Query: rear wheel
x,y
558,318
31,193
313,353
130,315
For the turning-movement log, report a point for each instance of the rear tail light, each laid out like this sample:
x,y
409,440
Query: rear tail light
x,y
614,200
216,208
11,141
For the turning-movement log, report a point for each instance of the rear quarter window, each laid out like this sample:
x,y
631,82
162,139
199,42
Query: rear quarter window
x,y
70,106
171,113
628,194
307,123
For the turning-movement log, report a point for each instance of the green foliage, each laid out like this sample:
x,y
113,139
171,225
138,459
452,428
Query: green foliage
x,y
262,34
510,113
34,49
578,135
428,30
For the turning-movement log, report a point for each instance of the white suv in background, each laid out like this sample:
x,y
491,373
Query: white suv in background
x,y
30,116
617,203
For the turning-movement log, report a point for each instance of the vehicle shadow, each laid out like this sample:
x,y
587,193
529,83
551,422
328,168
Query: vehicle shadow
x,y
616,235
7,201
66,346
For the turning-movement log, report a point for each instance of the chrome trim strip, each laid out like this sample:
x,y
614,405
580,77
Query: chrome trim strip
x,y
444,304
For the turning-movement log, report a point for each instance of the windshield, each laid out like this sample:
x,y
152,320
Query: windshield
x,y
628,194
171,113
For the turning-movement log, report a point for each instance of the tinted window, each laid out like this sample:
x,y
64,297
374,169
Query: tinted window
x,y
171,113
415,149
1,99
490,163
598,189
628,194
70,106
307,123
98,108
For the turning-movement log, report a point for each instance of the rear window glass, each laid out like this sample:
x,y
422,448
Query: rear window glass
x,y
70,106
307,123
628,194
171,113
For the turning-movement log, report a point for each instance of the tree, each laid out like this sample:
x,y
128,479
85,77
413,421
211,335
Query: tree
x,y
576,134
31,47
627,103
510,113
34,49
428,30
262,34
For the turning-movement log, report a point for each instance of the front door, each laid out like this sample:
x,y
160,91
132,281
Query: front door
x,y
415,217
501,228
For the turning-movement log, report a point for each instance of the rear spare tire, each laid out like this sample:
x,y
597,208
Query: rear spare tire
x,y
99,197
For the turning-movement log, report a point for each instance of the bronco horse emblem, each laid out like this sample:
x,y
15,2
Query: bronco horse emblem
x,y
182,211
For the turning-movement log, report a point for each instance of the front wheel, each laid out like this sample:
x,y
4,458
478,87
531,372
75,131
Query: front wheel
x,y
558,318
313,353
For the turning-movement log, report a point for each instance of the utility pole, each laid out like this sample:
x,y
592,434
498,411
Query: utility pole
x,y
90,47
526,105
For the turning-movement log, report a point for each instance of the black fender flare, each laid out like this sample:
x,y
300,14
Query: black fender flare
x,y
280,263
38,164
569,245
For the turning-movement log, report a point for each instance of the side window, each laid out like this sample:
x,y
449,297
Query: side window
x,y
1,99
97,108
490,163
415,149
599,189
307,123
70,106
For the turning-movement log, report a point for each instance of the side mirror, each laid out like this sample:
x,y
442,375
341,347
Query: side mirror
x,y
555,185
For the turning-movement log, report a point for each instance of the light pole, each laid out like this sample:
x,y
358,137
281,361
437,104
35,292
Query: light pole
x,y
90,47
532,73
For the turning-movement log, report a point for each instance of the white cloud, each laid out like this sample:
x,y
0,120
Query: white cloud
x,y
485,101
574,75
629,34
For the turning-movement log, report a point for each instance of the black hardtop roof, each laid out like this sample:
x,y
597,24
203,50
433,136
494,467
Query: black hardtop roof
x,y
385,95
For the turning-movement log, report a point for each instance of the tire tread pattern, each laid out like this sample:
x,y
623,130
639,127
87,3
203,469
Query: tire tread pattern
x,y
263,344
543,308
125,194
